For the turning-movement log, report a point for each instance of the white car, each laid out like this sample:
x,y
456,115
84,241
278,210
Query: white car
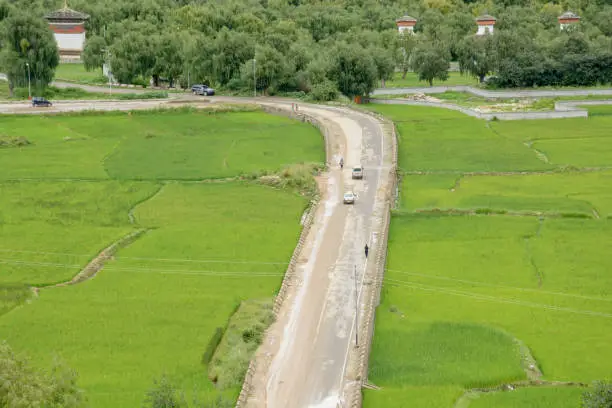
x,y
349,197
357,172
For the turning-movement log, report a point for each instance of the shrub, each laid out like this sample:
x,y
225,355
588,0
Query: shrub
x,y
600,396
163,394
324,91
145,95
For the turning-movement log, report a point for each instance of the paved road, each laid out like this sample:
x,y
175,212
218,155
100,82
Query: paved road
x,y
308,347
316,333
494,94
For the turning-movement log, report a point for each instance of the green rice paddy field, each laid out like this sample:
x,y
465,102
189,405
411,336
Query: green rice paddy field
x,y
84,182
498,269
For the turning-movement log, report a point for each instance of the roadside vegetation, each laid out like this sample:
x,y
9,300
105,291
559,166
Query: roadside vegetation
x,y
213,244
494,270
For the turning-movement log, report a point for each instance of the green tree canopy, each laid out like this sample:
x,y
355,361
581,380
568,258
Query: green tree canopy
x,y
476,56
354,70
22,386
27,40
431,62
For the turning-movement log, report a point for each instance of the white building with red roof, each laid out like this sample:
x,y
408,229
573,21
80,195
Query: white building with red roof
x,y
486,23
69,30
406,24
568,19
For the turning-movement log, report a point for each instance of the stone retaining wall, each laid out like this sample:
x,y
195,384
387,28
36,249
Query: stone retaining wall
x,y
556,114
375,271
520,93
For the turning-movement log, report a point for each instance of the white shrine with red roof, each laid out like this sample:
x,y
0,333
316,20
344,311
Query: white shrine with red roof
x,y
406,24
69,30
568,19
485,24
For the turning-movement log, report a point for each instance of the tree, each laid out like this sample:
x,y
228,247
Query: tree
x,y
21,386
431,63
600,396
231,50
354,70
94,53
169,60
475,54
133,56
385,65
270,69
26,39
405,45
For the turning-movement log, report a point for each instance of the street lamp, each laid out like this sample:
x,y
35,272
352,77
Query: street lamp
x,y
110,73
254,79
29,87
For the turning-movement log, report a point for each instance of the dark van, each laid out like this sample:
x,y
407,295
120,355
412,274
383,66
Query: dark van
x,y
38,101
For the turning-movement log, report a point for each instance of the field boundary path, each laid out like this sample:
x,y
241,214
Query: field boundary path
x,y
563,109
308,357
96,264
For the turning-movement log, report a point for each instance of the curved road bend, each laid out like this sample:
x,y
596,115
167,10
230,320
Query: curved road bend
x,y
307,349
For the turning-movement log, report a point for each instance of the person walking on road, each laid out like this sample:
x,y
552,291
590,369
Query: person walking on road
x,y
341,163
366,251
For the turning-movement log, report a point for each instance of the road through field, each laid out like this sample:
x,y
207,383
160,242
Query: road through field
x,y
307,349
304,361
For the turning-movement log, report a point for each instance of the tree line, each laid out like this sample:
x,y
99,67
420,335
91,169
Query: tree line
x,y
317,47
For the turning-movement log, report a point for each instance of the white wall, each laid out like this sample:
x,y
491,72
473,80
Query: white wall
x,y
485,29
406,29
70,41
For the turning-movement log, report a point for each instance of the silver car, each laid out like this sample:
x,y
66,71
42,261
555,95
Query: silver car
x,y
349,197
357,172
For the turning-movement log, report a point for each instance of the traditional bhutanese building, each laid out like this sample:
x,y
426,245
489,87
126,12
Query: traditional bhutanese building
x,y
406,24
567,19
69,30
485,24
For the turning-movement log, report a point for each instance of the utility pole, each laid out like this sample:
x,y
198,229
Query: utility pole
x,y
29,81
356,310
254,78
110,75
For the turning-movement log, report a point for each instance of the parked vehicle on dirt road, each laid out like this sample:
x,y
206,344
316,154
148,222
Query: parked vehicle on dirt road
x,y
202,90
349,197
357,172
39,101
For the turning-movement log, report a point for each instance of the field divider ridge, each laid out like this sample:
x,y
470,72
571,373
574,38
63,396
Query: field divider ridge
x,y
96,264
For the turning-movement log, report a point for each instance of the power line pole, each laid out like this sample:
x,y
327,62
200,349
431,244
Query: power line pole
x,y
29,87
254,78
356,310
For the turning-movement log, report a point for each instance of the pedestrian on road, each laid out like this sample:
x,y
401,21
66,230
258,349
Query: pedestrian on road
x,y
341,163
366,251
